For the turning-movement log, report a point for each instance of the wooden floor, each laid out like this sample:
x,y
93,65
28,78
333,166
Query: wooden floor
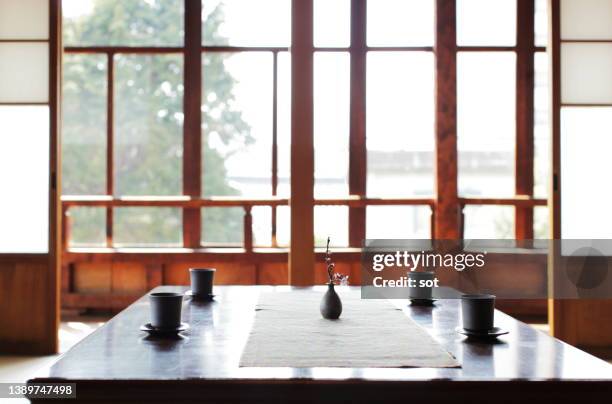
x,y
20,368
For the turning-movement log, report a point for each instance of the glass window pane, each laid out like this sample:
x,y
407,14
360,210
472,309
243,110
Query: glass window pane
x,y
331,123
283,226
541,227
586,19
398,222
84,125
87,226
134,227
246,22
542,141
24,72
400,23
262,226
585,211
488,222
237,116
486,22
24,173
223,226
332,19
24,19
541,22
124,23
331,221
486,122
284,123
148,124
400,124
585,73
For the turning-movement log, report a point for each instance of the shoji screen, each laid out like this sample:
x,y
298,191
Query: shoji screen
x,y
29,106
24,126
585,118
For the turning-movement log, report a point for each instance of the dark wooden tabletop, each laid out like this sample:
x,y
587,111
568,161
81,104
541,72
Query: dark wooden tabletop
x,y
121,360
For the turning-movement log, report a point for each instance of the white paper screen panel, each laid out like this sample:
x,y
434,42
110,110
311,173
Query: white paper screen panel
x,y
586,200
24,19
586,19
586,73
24,72
24,179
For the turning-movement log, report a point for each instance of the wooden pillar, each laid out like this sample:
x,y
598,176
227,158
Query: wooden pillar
x,y
357,140
192,134
53,281
523,176
447,210
301,254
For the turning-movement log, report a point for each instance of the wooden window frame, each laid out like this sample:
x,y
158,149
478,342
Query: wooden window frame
x,y
446,205
525,49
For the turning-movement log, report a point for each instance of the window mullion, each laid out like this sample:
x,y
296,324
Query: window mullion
x,y
447,209
357,140
192,134
524,150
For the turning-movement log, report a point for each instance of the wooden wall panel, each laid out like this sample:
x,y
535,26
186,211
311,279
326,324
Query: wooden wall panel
x,y
593,325
227,273
129,278
93,278
272,274
24,307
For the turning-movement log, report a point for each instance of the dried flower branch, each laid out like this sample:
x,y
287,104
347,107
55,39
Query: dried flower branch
x,y
334,277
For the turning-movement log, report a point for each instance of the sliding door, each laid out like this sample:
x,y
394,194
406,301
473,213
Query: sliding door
x,y
29,52
582,139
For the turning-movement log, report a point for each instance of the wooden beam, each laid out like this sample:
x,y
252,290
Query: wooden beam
x,y
447,214
301,257
357,138
518,201
227,201
523,174
192,132
124,49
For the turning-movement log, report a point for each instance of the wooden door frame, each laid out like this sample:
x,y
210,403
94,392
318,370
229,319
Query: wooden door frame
x,y
55,180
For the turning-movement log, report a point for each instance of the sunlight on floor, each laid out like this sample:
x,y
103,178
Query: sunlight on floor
x,y
18,369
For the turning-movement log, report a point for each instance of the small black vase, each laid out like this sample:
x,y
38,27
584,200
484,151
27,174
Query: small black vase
x,y
331,305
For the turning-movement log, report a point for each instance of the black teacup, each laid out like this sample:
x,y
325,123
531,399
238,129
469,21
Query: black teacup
x,y
166,309
202,281
478,312
419,292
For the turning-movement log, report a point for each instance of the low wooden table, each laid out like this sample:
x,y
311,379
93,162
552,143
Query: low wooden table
x,y
118,363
